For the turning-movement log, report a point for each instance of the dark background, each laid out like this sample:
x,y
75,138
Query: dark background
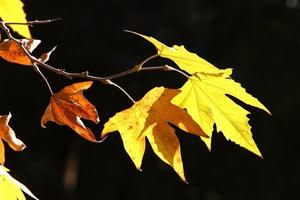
x,y
259,39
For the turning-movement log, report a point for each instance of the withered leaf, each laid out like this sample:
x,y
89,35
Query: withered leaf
x,y
68,106
12,52
148,118
9,136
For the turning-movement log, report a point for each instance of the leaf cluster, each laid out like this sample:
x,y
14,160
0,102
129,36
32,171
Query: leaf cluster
x,y
200,104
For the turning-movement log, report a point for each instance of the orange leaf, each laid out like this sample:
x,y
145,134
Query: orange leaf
x,y
12,52
68,106
149,118
8,135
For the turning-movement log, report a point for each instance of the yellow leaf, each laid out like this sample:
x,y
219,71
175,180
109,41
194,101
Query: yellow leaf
x,y
10,188
12,11
148,118
187,61
206,101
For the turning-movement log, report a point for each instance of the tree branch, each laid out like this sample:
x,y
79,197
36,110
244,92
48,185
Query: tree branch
x,y
35,22
36,63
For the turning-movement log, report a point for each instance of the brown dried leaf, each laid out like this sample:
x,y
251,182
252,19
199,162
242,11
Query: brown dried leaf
x,y
68,106
8,135
12,52
45,56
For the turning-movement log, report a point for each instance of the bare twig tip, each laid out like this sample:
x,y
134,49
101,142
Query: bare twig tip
x,y
129,31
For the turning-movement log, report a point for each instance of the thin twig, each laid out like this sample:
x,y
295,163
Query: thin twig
x,y
36,63
35,22
169,68
36,68
7,31
136,68
156,68
146,60
109,82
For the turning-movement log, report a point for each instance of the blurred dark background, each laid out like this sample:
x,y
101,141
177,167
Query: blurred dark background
x,y
259,39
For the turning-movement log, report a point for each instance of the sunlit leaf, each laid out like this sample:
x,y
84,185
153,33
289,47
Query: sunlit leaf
x,y
187,61
10,188
12,11
12,52
68,106
149,118
206,100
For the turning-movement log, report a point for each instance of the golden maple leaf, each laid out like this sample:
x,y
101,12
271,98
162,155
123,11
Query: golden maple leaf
x,y
148,118
10,188
204,96
12,11
205,99
187,61
68,106
8,135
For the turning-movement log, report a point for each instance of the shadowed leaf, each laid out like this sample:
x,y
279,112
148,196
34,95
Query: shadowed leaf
x,y
8,135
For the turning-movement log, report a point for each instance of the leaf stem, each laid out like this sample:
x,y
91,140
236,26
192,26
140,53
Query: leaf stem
x,y
109,82
169,68
36,68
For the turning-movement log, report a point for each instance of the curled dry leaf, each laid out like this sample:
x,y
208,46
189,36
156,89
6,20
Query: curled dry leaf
x,y
10,188
149,118
68,106
12,52
9,136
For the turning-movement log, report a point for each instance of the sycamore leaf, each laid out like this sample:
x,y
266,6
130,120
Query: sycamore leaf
x,y
10,188
12,52
12,11
68,106
9,136
206,101
148,118
187,61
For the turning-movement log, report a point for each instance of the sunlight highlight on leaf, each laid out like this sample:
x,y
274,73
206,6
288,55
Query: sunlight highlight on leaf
x,y
12,11
10,188
148,118
187,61
206,101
